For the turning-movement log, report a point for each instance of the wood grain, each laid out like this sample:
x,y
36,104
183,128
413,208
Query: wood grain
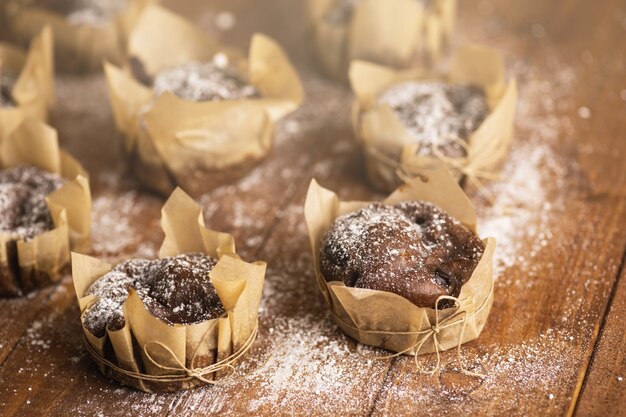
x,y
603,391
554,343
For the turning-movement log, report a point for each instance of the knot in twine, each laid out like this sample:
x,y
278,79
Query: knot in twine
x,y
470,166
432,331
181,372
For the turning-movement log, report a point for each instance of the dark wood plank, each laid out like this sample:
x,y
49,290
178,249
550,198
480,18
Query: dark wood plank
x,y
604,392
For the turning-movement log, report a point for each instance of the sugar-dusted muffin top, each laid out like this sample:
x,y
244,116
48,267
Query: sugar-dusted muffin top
x,y
7,82
413,249
437,113
23,207
205,81
83,12
176,290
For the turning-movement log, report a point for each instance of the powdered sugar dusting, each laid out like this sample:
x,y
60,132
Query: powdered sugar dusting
x,y
413,249
535,173
175,289
115,230
23,192
530,367
208,81
437,114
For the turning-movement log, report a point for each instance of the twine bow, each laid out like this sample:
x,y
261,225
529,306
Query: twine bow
x,y
433,331
189,373
471,166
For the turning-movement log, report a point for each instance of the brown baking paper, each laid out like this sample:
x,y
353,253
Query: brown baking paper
x,y
79,47
389,147
197,145
398,33
388,320
153,356
33,91
26,265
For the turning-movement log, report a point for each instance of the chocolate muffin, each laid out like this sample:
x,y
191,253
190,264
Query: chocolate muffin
x,y
23,192
199,81
176,290
413,249
82,12
7,82
438,113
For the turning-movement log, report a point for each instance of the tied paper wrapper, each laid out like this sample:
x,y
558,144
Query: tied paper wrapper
x,y
388,320
136,355
33,91
26,265
80,47
197,145
398,33
389,147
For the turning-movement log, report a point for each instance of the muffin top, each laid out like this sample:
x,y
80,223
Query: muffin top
x,y
437,114
413,249
176,290
23,192
205,81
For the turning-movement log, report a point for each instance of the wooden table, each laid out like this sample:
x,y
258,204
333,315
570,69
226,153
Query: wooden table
x,y
555,341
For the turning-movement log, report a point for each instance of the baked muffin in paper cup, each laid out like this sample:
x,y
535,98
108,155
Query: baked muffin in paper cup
x,y
197,145
388,320
146,351
390,147
26,82
86,32
40,259
398,33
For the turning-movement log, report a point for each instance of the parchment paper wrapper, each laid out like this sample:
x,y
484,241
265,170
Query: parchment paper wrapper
x,y
33,91
197,145
398,33
390,321
26,265
79,47
389,147
155,351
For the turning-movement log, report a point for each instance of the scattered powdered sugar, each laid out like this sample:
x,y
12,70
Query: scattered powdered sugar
x,y
437,114
529,368
302,364
114,227
536,172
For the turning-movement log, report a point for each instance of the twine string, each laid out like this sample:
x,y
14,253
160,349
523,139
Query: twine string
x,y
433,331
471,165
191,372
